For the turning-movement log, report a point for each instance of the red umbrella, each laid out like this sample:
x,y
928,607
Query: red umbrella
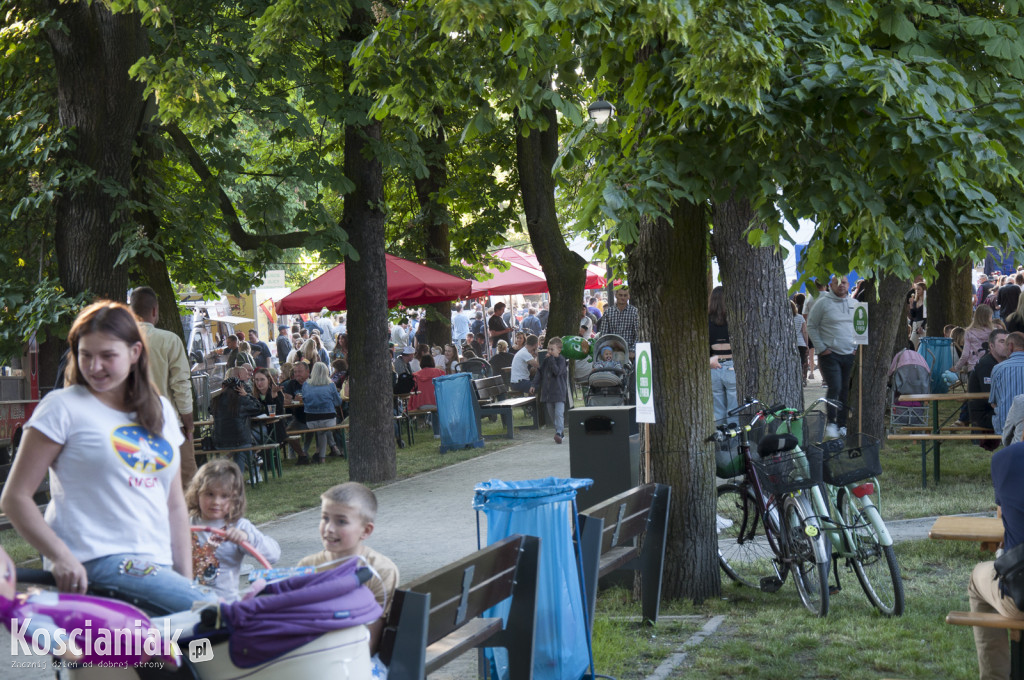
x,y
409,284
517,279
594,277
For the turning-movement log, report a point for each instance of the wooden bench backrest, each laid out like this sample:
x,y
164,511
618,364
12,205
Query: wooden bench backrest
x,y
625,516
490,388
463,590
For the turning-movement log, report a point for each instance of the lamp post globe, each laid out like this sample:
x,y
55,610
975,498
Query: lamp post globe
x,y
600,111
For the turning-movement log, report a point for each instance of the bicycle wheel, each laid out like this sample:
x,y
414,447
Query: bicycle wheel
x,y
746,551
875,564
805,547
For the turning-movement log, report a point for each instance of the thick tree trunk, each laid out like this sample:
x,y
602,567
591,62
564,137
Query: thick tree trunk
x,y
761,328
436,223
372,447
669,264
102,107
949,296
564,270
886,321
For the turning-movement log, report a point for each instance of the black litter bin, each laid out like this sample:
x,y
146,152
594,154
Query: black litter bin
x,y
602,448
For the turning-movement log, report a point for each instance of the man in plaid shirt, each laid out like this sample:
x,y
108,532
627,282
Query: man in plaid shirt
x,y
623,320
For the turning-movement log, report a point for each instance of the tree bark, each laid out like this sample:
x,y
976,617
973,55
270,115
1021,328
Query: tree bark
x,y
436,222
761,328
668,263
949,297
565,271
372,447
102,106
886,321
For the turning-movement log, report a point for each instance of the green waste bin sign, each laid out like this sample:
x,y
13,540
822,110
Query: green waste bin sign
x,y
644,384
860,323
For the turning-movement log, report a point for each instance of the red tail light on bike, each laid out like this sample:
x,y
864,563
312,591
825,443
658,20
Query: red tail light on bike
x,y
865,489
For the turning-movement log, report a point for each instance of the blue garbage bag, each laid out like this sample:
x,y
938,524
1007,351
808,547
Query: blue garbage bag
x,y
456,412
544,508
938,352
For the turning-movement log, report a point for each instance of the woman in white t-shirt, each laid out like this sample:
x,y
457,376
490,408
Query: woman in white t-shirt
x,y
117,517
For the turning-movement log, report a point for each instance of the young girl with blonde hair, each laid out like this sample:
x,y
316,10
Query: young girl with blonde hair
x,y
216,499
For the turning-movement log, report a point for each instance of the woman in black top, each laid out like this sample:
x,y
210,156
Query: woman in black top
x,y
723,377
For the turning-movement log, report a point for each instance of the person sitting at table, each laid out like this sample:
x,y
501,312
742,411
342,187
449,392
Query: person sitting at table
x,y
424,399
524,365
502,359
292,390
1007,380
448,360
984,591
232,413
979,381
322,404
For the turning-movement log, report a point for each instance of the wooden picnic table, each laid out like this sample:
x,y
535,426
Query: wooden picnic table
x,y
933,440
986,530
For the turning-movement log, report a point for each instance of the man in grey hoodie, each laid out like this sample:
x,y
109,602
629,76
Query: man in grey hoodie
x,y
830,326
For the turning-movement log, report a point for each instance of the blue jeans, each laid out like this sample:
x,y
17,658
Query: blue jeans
x,y
556,414
137,577
723,389
836,370
521,386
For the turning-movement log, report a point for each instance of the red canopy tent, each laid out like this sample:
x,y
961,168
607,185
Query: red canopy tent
x,y
409,283
517,279
594,277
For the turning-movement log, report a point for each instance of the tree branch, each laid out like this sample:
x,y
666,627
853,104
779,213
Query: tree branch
x,y
232,224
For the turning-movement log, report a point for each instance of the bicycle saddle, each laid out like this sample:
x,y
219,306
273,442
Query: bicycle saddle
x,y
773,444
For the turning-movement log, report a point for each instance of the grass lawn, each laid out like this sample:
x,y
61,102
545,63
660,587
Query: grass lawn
x,y
772,636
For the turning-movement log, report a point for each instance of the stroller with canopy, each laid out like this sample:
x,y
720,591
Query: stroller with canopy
x,y
607,386
908,374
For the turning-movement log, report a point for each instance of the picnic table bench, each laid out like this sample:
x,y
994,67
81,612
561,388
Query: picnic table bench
x,y
627,531
986,530
993,620
491,394
938,432
296,435
437,617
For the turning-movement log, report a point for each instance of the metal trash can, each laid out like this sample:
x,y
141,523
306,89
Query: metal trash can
x,y
200,396
601,448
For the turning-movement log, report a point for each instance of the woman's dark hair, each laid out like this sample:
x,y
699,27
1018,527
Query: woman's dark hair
x,y
422,350
716,307
271,383
339,365
800,299
115,319
427,362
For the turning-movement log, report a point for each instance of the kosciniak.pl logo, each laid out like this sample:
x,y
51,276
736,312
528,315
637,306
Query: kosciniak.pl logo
x,y
142,640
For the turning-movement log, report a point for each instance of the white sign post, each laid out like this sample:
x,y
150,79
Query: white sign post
x,y
644,384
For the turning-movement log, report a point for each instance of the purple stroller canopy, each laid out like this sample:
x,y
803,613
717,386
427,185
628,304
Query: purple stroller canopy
x,y
293,612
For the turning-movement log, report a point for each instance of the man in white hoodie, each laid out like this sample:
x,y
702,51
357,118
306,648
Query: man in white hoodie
x,y
830,326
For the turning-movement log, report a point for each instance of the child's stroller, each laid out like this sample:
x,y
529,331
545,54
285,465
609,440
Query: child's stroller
x,y
908,374
609,387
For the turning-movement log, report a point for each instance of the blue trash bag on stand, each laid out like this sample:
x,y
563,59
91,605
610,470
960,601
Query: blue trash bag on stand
x,y
544,508
938,352
456,412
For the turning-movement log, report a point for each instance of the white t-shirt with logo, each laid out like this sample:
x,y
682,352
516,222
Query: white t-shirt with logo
x,y
109,485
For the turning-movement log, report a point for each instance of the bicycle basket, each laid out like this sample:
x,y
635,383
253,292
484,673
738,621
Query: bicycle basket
x,y
728,460
808,429
850,459
790,471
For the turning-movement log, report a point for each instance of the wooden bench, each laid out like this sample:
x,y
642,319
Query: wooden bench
x,y
437,617
296,435
253,476
492,397
938,432
991,620
986,530
627,531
